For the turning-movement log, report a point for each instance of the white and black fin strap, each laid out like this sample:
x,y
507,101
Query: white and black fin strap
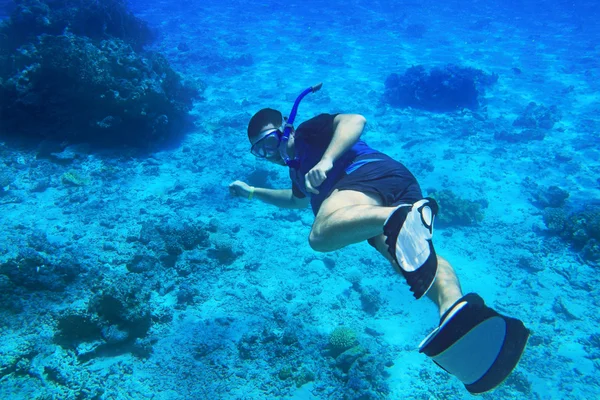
x,y
476,344
409,232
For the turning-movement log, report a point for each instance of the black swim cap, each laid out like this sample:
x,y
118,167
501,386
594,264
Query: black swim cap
x,y
263,118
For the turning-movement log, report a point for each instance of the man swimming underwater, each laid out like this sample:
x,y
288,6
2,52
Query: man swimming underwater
x,y
357,194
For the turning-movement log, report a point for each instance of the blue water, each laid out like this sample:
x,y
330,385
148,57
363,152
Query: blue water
x,y
128,276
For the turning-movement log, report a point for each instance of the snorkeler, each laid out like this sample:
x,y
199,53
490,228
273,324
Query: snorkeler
x,y
358,194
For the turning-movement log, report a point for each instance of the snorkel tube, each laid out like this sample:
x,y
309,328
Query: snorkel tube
x,y
289,127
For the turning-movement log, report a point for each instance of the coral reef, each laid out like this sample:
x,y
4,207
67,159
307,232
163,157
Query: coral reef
x,y
42,269
79,68
456,211
349,370
186,294
580,228
443,89
115,321
531,124
142,263
555,219
370,300
361,368
341,339
284,351
167,241
536,116
552,196
522,136
224,249
367,378
96,19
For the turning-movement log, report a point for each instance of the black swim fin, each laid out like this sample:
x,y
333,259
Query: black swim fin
x,y
476,344
409,232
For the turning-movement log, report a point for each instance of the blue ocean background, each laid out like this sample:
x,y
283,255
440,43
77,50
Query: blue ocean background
x,y
136,275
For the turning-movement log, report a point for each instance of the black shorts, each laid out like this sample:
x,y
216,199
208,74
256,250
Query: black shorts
x,y
388,179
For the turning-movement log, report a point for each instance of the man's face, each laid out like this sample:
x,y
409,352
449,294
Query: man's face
x,y
267,144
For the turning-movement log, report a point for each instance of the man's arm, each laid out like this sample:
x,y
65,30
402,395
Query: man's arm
x,y
280,198
347,129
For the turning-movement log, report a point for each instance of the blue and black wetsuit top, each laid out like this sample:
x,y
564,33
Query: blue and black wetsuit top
x,y
311,140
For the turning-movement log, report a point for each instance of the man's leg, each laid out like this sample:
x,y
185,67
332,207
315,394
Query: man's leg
x,y
445,290
348,217
475,343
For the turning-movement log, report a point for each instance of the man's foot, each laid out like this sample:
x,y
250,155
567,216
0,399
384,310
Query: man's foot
x,y
476,344
408,232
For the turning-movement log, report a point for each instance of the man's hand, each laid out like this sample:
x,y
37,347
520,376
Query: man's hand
x,y
240,189
317,175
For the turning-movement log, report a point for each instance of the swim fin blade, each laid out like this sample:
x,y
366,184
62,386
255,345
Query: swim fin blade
x,y
476,344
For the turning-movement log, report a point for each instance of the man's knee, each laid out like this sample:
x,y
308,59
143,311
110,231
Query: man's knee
x,y
316,243
317,240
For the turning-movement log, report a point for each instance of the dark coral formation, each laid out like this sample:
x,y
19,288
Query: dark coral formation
x,y
116,321
167,242
40,266
224,250
455,211
531,124
536,116
79,68
519,136
580,228
370,300
443,89
552,196
358,366
545,196
95,19
283,350
367,377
